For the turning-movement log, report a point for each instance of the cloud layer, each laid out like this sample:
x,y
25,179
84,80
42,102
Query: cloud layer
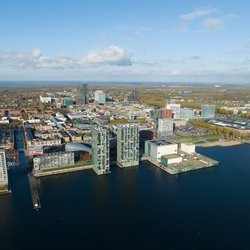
x,y
112,55
190,16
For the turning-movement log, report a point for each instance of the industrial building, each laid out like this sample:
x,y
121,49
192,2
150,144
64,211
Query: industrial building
x,y
155,149
174,158
100,150
127,145
53,161
3,171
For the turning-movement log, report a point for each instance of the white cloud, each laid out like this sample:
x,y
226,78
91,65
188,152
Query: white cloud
x,y
190,16
213,24
175,72
112,55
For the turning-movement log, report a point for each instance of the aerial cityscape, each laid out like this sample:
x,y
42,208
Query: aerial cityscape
x,y
124,126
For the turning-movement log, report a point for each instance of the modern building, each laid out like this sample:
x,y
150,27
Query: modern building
x,y
187,113
68,102
45,99
100,96
53,161
165,127
155,149
3,171
133,96
207,111
127,145
176,108
100,150
84,95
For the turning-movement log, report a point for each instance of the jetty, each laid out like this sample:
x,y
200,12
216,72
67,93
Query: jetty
x,y
34,191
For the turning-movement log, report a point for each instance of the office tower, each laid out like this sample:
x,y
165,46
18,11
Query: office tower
x,y
133,96
165,127
100,96
84,95
127,145
3,171
100,150
176,108
207,111
187,113
68,102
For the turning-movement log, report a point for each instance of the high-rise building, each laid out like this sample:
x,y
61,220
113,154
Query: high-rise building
x,y
100,96
187,113
3,171
127,145
165,127
100,150
207,111
133,96
176,108
84,95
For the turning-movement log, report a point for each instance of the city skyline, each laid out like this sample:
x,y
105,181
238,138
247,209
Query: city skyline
x,y
157,41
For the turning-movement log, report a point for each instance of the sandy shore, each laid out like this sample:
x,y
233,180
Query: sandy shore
x,y
220,143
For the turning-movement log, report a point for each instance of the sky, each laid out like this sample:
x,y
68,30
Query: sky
x,y
134,40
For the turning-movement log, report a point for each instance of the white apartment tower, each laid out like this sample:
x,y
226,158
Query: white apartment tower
x,y
127,145
100,150
3,171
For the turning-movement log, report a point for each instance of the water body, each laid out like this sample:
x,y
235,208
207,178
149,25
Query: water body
x,y
135,208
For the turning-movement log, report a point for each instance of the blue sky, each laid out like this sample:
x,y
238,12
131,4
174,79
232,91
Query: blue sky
x,y
183,41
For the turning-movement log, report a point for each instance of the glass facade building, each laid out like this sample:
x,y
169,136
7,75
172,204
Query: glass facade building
x,y
84,95
207,111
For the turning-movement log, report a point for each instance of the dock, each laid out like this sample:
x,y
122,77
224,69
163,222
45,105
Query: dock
x,y
190,163
34,191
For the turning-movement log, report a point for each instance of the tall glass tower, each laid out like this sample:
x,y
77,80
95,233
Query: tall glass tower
x,y
84,95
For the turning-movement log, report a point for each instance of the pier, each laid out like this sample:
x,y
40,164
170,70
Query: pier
x,y
34,191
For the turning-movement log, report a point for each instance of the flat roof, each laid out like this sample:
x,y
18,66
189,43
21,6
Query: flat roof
x,y
172,156
161,142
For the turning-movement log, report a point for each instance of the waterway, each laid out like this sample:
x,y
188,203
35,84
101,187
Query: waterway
x,y
135,208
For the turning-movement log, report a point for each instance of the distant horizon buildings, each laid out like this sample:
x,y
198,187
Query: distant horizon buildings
x,y
3,171
100,150
84,95
127,145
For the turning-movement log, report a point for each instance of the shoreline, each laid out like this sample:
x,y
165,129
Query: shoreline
x,y
220,143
